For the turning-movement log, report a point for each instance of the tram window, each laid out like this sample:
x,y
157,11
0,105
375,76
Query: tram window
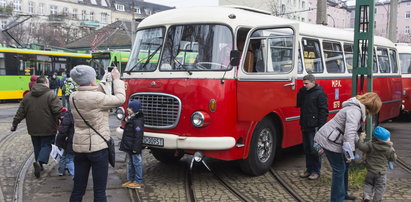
x,y
393,59
333,57
281,55
2,64
312,56
383,60
405,61
348,51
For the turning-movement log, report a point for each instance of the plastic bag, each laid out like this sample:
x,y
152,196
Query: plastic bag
x,y
56,153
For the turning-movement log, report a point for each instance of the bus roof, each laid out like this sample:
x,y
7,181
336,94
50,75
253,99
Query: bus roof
x,y
403,48
247,18
43,52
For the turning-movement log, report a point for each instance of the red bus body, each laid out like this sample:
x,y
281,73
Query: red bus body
x,y
404,51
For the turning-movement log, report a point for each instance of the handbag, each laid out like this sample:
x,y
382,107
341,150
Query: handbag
x,y
110,142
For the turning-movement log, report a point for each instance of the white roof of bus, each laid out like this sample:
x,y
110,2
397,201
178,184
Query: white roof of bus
x,y
403,48
219,15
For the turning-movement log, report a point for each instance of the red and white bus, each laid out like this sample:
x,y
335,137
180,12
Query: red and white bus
x,y
404,51
196,99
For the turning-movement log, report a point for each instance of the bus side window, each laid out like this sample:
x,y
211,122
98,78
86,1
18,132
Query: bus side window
x,y
393,61
312,56
254,61
281,50
383,60
333,57
348,52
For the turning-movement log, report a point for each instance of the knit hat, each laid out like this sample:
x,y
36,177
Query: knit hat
x,y
83,74
135,105
381,133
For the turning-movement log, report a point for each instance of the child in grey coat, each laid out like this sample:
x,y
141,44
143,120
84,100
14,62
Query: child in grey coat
x,y
378,152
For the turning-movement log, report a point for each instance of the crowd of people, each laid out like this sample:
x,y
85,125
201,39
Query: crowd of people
x,y
84,130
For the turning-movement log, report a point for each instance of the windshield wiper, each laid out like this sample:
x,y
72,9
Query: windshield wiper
x,y
147,60
183,66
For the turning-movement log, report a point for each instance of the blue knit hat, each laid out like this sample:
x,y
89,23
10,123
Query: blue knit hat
x,y
135,105
381,133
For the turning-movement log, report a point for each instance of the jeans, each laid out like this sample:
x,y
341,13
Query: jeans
x,y
135,168
98,162
337,162
42,148
312,161
67,161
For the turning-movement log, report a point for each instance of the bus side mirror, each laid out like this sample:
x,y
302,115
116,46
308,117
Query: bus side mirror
x,y
234,58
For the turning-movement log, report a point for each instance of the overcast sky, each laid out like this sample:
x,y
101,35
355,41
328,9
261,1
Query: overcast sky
x,y
185,3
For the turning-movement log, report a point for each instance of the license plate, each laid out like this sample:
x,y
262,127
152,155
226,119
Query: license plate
x,y
154,141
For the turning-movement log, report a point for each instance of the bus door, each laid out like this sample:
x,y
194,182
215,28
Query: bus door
x,y
266,75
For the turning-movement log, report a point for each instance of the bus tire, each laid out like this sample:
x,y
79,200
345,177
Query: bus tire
x,y
262,149
167,156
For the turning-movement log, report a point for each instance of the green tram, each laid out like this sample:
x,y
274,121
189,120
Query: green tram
x,y
101,60
18,64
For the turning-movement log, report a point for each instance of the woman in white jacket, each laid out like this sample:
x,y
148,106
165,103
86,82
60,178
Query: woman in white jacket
x,y
343,129
93,103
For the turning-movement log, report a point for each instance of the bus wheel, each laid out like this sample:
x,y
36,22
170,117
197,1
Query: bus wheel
x,y
262,149
167,155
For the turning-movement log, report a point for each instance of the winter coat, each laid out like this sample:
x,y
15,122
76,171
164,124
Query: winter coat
x,y
132,139
93,103
54,83
41,108
64,138
69,87
343,127
33,80
313,106
378,153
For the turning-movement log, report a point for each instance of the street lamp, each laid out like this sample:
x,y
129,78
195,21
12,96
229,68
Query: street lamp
x,y
331,19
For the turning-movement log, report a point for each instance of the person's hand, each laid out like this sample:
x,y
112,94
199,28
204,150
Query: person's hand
x,y
362,135
349,160
115,74
13,128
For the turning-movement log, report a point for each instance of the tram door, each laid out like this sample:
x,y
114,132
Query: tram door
x,y
267,74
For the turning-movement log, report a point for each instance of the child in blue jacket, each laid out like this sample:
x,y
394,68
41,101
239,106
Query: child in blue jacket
x,y
131,143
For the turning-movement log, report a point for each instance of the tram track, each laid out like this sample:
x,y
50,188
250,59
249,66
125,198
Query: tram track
x,y
285,185
403,165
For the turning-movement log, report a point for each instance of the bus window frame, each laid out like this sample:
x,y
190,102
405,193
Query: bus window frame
x,y
333,51
320,57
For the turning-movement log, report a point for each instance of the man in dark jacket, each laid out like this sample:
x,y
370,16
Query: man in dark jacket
x,y
313,104
41,108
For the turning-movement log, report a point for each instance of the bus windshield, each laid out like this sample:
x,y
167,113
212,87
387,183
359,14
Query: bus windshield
x,y
197,47
405,60
146,50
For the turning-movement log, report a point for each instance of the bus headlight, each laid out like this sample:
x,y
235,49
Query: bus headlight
x,y
200,119
120,113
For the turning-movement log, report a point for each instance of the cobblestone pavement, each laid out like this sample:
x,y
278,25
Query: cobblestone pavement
x,y
167,182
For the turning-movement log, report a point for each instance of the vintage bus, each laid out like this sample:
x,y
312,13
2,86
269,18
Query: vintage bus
x,y
404,51
101,60
209,105
18,64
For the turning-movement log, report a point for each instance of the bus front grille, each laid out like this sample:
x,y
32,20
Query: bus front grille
x,y
161,110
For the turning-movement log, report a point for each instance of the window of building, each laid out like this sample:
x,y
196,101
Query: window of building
x,y
53,10
104,17
103,3
83,15
333,54
407,30
138,10
302,19
91,16
65,11
93,2
31,7
303,4
147,11
74,13
41,8
312,56
3,3
17,5
408,4
407,14
119,7
283,8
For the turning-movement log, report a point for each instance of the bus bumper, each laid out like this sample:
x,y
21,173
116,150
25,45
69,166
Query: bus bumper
x,y
172,141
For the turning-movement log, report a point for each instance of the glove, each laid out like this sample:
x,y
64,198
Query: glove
x,y
13,128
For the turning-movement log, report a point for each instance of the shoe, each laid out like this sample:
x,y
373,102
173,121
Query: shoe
x,y
37,169
134,185
305,174
366,199
61,174
314,176
125,184
350,197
